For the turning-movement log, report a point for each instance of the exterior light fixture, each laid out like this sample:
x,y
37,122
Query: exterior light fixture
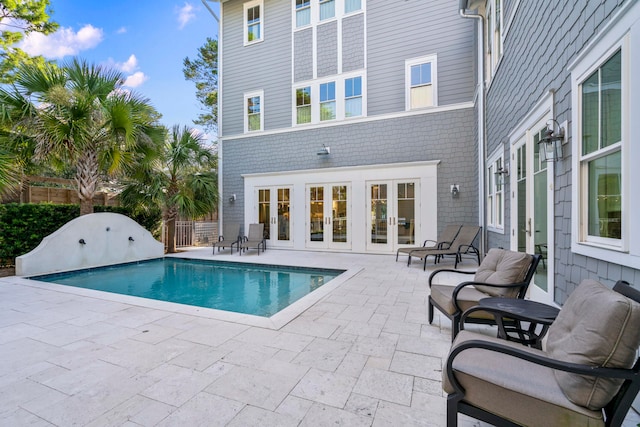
x,y
455,191
232,198
501,173
550,145
324,151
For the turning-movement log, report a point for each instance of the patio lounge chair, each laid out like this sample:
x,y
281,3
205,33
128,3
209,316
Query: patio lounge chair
x,y
502,273
230,235
461,245
588,375
254,240
444,241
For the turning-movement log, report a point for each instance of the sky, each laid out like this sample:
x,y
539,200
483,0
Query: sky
x,y
146,40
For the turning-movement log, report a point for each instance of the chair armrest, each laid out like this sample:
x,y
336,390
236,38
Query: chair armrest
x,y
466,248
535,358
458,288
434,245
444,245
448,270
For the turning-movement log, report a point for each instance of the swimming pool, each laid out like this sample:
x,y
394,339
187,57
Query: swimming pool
x,y
254,289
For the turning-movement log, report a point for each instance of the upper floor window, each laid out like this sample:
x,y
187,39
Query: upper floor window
x,y
601,111
352,5
327,9
253,117
353,97
420,82
495,192
303,105
328,101
494,33
253,21
303,12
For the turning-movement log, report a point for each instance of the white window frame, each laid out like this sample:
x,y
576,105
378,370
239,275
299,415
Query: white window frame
x,y
495,211
295,14
433,59
340,98
622,32
344,9
344,83
333,100
494,27
296,106
245,7
336,11
247,96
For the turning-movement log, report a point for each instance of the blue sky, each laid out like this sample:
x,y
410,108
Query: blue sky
x,y
146,40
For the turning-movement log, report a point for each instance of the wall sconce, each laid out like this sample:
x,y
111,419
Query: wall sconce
x,y
232,198
501,173
455,191
324,151
550,146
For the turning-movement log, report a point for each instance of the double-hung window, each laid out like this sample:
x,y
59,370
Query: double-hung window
x,y
495,192
327,101
494,33
352,5
253,21
353,97
303,13
327,9
254,118
601,151
303,105
420,81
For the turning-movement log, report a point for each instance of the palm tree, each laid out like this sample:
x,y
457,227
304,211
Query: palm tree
x,y
181,180
78,115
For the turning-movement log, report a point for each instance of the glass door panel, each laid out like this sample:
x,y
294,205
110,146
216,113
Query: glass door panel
x,y
540,230
339,213
406,213
275,212
316,214
378,205
264,210
284,212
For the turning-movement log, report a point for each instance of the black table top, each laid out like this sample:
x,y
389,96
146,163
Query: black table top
x,y
536,311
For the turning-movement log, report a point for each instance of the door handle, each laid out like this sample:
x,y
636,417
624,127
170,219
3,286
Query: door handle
x,y
528,229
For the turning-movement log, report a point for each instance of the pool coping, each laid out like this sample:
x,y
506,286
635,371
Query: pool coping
x,y
275,322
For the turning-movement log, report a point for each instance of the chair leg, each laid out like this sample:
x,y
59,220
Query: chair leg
x,y
455,326
452,411
430,311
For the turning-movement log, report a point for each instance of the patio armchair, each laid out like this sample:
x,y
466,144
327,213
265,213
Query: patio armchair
x,y
588,375
230,234
462,244
254,240
444,241
502,273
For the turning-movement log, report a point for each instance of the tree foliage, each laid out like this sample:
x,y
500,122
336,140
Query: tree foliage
x,y
180,179
17,19
78,116
203,71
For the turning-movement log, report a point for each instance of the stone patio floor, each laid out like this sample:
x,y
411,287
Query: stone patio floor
x,y
364,355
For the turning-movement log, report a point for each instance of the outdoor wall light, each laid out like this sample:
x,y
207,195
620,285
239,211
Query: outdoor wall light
x,y
501,173
232,198
455,191
550,146
324,151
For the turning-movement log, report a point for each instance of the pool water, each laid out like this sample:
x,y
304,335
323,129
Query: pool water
x,y
260,290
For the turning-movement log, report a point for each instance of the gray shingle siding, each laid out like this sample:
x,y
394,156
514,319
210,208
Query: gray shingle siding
x,y
526,73
446,136
353,43
327,46
303,54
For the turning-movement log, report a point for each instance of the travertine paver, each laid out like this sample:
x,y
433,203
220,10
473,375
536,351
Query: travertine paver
x,y
364,355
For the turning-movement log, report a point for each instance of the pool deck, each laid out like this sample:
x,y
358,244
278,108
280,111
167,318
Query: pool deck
x,y
362,355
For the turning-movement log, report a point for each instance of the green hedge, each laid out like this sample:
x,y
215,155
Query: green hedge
x,y
23,226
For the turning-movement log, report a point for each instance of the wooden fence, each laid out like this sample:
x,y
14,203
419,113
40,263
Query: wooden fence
x,y
55,190
194,233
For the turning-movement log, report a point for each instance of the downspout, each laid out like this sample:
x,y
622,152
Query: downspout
x,y
480,93
220,199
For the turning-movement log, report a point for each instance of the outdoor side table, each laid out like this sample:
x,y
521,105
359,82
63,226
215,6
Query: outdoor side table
x,y
511,315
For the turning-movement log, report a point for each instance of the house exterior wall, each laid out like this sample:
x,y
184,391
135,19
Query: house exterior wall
x,y
374,44
533,64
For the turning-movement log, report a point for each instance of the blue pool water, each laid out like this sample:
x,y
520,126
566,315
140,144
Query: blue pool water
x,y
260,290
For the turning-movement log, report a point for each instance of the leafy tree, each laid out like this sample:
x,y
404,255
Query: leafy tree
x,y
77,115
17,19
203,71
181,179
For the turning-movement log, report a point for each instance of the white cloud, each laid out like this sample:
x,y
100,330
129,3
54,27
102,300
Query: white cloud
x,y
121,30
129,65
135,79
64,42
185,14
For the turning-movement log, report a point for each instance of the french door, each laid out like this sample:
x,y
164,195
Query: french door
x,y
275,212
532,209
392,213
328,216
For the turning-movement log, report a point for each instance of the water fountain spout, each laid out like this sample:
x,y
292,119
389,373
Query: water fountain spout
x,y
82,242
131,239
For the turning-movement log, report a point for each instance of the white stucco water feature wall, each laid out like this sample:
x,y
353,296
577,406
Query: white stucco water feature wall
x,y
92,240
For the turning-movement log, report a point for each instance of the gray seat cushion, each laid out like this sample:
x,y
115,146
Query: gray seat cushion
x,y
514,388
502,267
598,327
468,297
